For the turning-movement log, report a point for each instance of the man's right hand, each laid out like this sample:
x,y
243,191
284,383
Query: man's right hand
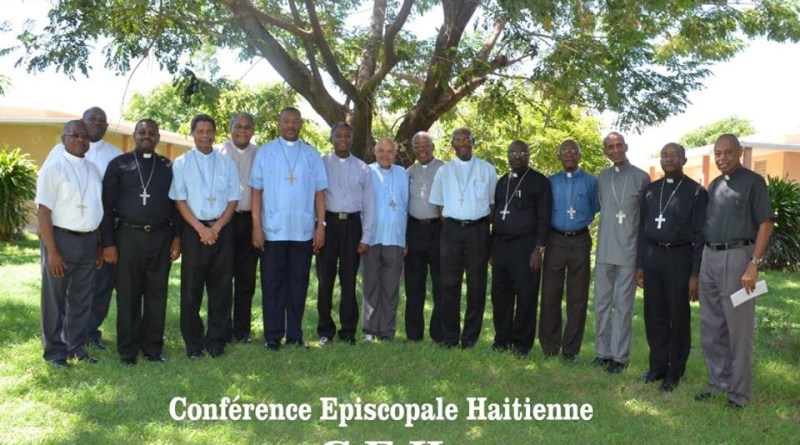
x,y
110,255
55,264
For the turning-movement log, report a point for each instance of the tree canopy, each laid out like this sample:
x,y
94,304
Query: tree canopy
x,y
174,104
355,59
708,134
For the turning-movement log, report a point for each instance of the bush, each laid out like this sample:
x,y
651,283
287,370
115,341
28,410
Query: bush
x,y
17,188
784,246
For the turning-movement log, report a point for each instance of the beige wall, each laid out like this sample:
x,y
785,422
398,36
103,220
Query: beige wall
x,y
791,165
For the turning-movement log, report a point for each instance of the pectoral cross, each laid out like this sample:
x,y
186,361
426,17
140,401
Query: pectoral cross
x,y
211,200
392,204
505,212
620,216
144,195
660,220
461,200
82,206
291,178
571,213
422,191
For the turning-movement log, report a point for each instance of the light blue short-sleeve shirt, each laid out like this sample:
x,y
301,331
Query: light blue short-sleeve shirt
x,y
207,182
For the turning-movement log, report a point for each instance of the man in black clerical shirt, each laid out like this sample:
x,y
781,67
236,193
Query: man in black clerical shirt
x,y
141,236
668,263
520,226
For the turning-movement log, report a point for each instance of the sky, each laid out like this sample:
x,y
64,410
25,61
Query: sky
x,y
760,84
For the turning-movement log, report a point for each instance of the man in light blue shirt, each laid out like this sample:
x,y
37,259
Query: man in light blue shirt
x,y
205,188
288,179
464,190
575,202
348,207
383,260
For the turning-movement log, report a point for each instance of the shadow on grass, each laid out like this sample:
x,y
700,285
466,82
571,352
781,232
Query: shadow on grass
x,y
18,322
24,251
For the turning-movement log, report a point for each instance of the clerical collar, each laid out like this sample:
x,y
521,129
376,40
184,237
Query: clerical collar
x,y
288,143
72,158
618,168
463,162
94,144
670,180
733,173
342,160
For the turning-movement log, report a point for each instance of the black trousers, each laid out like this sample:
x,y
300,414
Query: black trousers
x,y
566,260
245,262
422,240
463,249
285,268
666,308
66,301
515,293
209,267
341,246
141,278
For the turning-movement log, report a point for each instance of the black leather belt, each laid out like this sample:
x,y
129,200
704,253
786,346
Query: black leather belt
x,y
668,246
466,222
425,221
341,216
208,222
72,232
242,213
145,227
730,245
573,233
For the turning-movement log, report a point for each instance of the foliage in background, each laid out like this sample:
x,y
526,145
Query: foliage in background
x,y
354,60
784,246
17,189
173,105
708,134
504,113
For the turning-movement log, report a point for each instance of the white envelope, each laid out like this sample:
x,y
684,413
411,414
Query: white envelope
x,y
740,296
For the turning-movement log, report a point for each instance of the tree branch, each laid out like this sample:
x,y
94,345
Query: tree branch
x,y
389,54
328,58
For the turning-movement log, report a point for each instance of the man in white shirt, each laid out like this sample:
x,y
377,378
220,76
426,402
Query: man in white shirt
x,y
69,209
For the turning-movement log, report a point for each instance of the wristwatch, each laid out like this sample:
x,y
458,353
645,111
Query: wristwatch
x,y
323,223
757,261
540,249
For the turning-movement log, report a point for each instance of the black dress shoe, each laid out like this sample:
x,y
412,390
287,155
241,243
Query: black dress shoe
x,y
668,385
296,343
703,396
59,363
601,362
88,359
195,355
159,358
499,347
520,351
615,367
549,355
216,352
570,358
128,361
244,339
650,377
272,345
467,345
734,405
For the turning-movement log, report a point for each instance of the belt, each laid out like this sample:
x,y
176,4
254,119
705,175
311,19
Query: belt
x,y
209,222
466,222
424,221
514,237
673,245
341,216
242,213
72,232
730,245
145,227
572,233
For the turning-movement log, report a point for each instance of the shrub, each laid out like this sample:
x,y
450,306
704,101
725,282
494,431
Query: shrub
x,y
17,188
784,246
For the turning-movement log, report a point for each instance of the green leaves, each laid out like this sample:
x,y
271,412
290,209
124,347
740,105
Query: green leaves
x,y
708,134
784,246
17,189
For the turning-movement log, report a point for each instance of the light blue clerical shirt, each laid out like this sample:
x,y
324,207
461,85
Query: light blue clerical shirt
x,y
207,182
391,205
289,173
575,200
465,190
350,190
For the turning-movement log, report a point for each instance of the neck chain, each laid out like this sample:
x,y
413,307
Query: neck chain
x,y
570,197
390,190
211,198
144,195
661,209
462,188
620,214
505,210
82,188
291,178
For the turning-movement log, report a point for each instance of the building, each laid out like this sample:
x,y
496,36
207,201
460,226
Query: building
x,y
767,155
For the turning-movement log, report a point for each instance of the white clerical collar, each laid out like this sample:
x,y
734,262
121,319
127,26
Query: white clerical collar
x,y
72,158
460,162
670,180
147,155
95,144
288,143
200,152
727,177
569,174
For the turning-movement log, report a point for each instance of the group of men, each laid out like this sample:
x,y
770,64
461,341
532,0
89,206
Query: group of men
x,y
109,219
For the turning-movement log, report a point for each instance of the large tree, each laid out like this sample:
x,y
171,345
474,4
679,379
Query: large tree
x,y
708,134
354,59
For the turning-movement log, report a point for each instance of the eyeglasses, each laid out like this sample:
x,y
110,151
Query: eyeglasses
x,y
518,154
77,135
569,151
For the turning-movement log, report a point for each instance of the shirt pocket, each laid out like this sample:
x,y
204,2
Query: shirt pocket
x,y
481,191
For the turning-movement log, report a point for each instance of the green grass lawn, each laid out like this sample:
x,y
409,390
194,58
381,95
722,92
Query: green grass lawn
x,y
108,403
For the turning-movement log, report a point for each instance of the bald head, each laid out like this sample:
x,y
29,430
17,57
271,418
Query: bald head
x,y
96,123
422,144
75,138
385,152
727,153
